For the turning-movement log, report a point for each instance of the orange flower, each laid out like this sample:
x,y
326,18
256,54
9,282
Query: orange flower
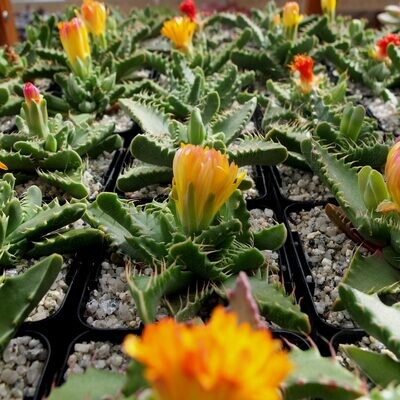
x,y
222,360
94,16
3,166
303,65
203,181
75,41
180,31
382,45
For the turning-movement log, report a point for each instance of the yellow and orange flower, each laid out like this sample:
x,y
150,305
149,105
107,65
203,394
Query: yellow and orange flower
x,y
94,15
203,181
291,15
303,66
222,360
180,31
392,177
75,41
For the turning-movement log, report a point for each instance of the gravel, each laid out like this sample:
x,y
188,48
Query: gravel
x,y
21,365
94,174
387,113
328,252
261,219
121,120
299,185
366,343
92,178
7,123
99,355
110,304
52,301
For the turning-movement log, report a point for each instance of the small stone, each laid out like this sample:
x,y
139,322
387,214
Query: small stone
x,y
82,347
9,376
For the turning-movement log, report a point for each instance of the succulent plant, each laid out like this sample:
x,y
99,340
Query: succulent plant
x,y
162,137
360,194
19,295
193,239
311,375
52,148
381,322
326,115
32,229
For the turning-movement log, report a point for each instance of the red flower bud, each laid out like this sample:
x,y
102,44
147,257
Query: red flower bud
x,y
188,7
31,93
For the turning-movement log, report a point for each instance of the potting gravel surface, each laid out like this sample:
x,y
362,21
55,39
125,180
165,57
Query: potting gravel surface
x,y
99,355
261,219
92,178
299,185
121,120
53,299
386,112
328,252
7,123
21,365
366,343
110,305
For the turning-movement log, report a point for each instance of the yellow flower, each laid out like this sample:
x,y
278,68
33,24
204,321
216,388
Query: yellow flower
x,y
3,166
222,360
291,15
180,31
328,6
392,177
74,38
203,181
94,16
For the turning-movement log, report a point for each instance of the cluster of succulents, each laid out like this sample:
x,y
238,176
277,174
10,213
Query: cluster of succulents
x,y
208,95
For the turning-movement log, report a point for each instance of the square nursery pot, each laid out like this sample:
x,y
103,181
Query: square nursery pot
x,y
301,267
106,303
24,365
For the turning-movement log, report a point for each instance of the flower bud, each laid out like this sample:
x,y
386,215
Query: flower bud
x,y
75,41
291,15
392,173
188,7
31,93
35,111
94,15
329,7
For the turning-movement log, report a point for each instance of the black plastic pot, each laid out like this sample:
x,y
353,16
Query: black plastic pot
x,y
303,276
43,339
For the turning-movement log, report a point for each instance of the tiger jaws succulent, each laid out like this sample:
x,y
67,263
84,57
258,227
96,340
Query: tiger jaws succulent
x,y
201,235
